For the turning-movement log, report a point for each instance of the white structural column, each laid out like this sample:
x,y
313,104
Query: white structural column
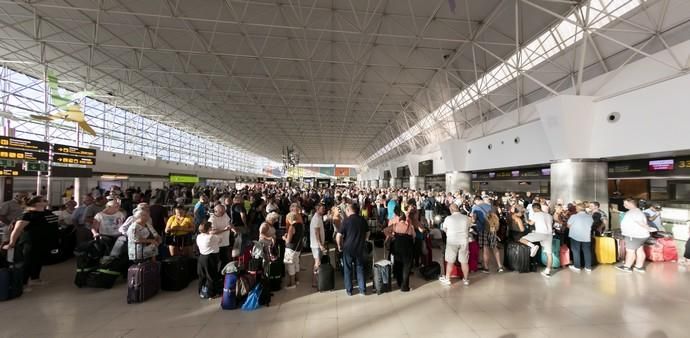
x,y
392,183
456,181
580,180
374,184
416,182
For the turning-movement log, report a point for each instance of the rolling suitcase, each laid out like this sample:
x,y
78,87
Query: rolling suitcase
x,y
229,299
11,279
383,270
325,275
663,250
175,273
605,250
555,254
518,257
143,279
564,254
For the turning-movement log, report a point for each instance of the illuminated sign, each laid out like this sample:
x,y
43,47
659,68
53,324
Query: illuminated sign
x,y
660,165
66,159
181,178
76,151
22,144
23,155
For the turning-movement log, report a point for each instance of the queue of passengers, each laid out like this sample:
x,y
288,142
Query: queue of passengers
x,y
223,221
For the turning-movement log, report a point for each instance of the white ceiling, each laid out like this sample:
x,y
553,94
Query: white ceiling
x,y
337,79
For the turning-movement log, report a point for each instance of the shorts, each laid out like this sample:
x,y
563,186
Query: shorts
x,y
487,239
179,240
544,240
633,243
293,268
459,252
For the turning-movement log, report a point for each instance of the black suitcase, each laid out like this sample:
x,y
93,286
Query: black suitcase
x,y
274,274
102,279
517,257
326,275
175,273
382,276
11,282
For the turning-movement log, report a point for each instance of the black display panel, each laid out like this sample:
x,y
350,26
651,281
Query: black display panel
x,y
426,168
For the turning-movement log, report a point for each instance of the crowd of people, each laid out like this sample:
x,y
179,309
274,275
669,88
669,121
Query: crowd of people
x,y
219,224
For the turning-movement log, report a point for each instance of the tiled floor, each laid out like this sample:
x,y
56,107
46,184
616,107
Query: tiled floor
x,y
605,303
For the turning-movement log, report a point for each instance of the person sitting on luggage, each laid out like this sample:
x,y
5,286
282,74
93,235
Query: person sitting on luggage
x,y
178,231
29,236
208,265
580,234
457,228
107,222
294,233
139,234
636,230
403,248
653,214
543,234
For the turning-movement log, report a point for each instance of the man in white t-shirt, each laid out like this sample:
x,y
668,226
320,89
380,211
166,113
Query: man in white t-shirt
x,y
317,235
543,233
457,228
220,225
635,229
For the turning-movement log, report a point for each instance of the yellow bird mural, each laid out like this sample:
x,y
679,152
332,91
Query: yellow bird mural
x,y
67,111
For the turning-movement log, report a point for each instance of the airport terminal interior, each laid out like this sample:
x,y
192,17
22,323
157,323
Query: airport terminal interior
x,y
345,168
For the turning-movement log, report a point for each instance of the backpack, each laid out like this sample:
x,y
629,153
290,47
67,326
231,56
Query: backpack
x,y
493,222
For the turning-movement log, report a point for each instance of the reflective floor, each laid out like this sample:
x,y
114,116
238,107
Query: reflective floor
x,y
605,303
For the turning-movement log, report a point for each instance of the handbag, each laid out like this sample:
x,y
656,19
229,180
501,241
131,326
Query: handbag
x,y
289,257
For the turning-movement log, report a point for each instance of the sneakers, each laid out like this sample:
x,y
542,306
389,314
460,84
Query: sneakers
x,y
27,289
546,274
500,270
291,286
444,280
483,270
640,270
623,268
588,270
572,267
466,282
533,251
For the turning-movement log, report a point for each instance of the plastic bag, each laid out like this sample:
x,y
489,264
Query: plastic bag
x,y
252,302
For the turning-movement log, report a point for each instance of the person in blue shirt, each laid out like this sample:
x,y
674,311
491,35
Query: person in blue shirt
x,y
200,211
392,203
488,241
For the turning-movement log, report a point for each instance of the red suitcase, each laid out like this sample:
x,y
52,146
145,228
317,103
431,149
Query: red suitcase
x,y
473,261
663,250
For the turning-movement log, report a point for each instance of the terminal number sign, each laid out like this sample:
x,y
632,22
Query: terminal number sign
x,y
23,155
76,151
65,159
22,144
683,164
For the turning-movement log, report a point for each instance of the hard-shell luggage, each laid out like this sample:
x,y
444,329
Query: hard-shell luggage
x,y
605,250
663,250
175,273
518,257
274,274
143,279
383,270
555,254
325,275
11,281
564,255
229,299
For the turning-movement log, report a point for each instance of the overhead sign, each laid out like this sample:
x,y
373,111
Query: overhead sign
x,y
342,172
181,178
35,166
22,144
70,172
15,171
66,159
23,155
76,151
7,163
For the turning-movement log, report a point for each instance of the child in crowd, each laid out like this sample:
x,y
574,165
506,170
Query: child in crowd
x,y
208,265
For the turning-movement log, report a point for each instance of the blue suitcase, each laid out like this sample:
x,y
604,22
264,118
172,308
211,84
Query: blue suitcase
x,y
229,300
